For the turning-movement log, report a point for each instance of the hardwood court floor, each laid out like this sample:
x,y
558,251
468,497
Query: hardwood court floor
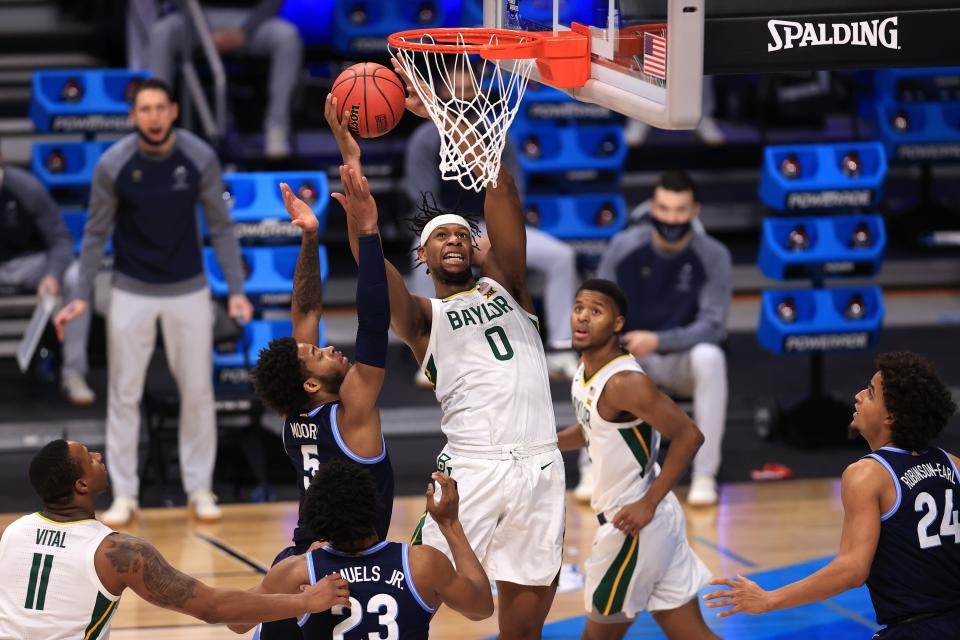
x,y
756,526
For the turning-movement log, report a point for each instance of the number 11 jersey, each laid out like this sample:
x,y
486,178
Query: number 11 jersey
x,y
486,361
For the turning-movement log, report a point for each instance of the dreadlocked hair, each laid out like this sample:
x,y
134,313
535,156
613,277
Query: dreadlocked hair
x,y
279,375
341,504
427,210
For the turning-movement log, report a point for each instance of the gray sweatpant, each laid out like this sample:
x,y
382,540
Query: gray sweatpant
x,y
26,271
553,258
275,38
187,324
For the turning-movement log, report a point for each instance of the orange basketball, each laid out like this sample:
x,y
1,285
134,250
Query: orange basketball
x,y
371,97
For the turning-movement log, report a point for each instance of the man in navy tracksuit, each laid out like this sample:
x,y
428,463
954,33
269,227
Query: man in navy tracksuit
x,y
145,192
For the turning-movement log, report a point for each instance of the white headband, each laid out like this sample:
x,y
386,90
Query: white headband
x,y
446,218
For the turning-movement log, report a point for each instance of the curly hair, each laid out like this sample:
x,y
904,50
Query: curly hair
x,y
341,503
279,375
914,395
53,472
427,210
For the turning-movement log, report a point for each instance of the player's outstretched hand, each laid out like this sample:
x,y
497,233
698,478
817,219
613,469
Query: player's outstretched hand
x,y
743,596
349,148
301,215
356,200
445,510
634,516
70,312
414,104
328,592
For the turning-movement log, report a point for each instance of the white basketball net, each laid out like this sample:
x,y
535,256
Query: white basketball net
x,y
472,118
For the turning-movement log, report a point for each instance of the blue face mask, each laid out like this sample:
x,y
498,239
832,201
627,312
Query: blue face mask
x,y
671,232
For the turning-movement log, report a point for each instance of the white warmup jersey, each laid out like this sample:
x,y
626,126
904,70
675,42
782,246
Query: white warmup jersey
x,y
50,589
624,454
486,362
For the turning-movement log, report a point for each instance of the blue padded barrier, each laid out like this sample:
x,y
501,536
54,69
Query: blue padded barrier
x,y
832,251
78,162
820,324
99,106
821,184
579,217
255,196
269,278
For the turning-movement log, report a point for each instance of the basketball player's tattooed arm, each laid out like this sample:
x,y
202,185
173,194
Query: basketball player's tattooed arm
x,y
631,393
464,588
306,301
125,561
861,491
410,315
286,576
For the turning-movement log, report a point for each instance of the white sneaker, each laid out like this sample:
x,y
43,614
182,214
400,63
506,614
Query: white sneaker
x,y
584,490
276,143
710,132
76,391
562,364
703,491
204,506
120,512
636,133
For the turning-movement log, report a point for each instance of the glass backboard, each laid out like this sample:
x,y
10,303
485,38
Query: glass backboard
x,y
646,55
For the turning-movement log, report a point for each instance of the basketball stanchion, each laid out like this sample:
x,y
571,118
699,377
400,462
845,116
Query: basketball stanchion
x,y
471,82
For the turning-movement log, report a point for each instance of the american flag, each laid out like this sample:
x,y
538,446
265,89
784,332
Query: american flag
x,y
655,55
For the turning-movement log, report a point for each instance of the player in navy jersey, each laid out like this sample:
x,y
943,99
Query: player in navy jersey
x,y
901,526
394,588
329,405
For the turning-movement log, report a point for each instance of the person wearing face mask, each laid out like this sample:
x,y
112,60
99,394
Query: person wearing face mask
x,y
145,192
678,287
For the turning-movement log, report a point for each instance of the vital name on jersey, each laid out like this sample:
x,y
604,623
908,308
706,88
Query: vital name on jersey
x,y
50,538
915,474
479,314
371,574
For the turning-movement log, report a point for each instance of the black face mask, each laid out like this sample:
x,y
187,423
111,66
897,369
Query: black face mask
x,y
671,232
150,142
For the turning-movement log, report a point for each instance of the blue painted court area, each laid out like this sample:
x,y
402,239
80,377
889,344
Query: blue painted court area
x,y
849,615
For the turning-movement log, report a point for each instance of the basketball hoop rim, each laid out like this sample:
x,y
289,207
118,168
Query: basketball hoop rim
x,y
511,44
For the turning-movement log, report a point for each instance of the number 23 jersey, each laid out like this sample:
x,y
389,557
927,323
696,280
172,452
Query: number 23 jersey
x,y
384,602
486,361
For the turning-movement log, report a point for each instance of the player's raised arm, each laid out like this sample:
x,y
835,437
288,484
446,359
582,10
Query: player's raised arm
x,y
464,588
635,393
506,261
125,561
410,315
306,301
361,386
861,488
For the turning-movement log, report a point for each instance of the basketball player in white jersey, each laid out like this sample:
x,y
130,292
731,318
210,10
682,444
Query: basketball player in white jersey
x,y
478,343
63,571
640,559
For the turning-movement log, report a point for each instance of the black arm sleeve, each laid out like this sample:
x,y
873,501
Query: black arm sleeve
x,y
373,304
